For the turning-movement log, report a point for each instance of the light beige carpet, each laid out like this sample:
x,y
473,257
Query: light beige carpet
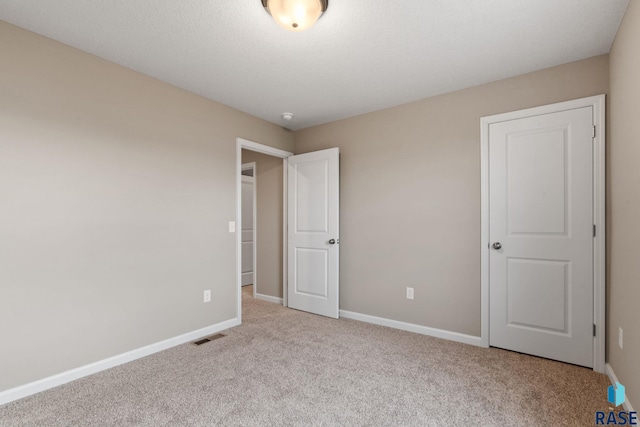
x,y
285,367
247,291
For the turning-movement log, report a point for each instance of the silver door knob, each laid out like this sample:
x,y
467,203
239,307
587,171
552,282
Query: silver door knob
x,y
497,245
332,241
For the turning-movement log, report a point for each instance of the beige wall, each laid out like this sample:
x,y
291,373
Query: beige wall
x,y
624,184
116,191
269,207
410,194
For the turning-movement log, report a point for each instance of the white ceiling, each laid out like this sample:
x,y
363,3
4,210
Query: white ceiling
x,y
361,56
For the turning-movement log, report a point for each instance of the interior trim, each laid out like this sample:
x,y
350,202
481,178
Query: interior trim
x,y
268,298
614,379
110,362
411,327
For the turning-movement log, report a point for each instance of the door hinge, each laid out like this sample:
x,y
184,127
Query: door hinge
x,y
594,329
594,132
594,230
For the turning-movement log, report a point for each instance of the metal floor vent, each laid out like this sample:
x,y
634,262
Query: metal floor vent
x,y
207,339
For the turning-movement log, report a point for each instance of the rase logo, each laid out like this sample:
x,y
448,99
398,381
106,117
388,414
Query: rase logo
x,y
615,395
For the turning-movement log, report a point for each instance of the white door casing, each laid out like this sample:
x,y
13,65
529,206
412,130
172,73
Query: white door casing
x,y
313,232
248,231
542,195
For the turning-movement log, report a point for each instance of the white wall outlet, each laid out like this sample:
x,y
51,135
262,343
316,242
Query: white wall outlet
x,y
232,226
620,337
409,293
207,296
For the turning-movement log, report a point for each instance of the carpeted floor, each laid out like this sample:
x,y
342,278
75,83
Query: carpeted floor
x,y
285,367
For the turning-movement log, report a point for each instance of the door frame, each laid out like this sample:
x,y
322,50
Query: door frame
x,y
271,151
252,167
598,104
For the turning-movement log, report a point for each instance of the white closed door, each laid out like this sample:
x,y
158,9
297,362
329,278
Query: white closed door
x,y
313,238
541,235
248,274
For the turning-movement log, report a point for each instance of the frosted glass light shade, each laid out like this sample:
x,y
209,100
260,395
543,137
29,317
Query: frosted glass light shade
x,y
295,15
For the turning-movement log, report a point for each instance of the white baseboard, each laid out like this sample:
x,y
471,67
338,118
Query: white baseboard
x,y
268,298
612,377
411,327
101,365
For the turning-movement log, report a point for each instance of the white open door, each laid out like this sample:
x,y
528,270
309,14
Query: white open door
x,y
313,235
541,233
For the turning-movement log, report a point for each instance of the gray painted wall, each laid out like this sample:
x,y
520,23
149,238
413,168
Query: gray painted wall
x,y
410,195
624,205
116,192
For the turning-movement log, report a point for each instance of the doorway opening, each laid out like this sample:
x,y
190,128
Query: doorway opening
x,y
306,225
261,240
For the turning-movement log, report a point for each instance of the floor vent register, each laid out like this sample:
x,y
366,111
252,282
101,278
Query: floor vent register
x,y
208,339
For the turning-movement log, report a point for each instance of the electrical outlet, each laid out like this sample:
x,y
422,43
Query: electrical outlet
x,y
232,226
409,293
207,296
620,337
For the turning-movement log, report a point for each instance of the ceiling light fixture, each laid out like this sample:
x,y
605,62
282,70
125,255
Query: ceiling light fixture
x,y
295,15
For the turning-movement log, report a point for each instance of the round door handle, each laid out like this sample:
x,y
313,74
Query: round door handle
x,y
497,246
332,241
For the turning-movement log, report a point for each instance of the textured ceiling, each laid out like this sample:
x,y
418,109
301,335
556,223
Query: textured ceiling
x,y
361,56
